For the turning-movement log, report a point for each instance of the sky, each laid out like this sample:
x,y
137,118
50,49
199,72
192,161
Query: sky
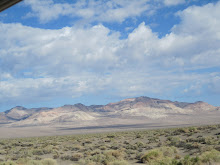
x,y
56,52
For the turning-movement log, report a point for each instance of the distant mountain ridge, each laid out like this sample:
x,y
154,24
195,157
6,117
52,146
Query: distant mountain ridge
x,y
140,108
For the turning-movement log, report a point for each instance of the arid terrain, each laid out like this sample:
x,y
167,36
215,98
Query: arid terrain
x,y
128,114
174,146
139,130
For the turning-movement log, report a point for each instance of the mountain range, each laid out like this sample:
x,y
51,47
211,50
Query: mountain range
x,y
128,111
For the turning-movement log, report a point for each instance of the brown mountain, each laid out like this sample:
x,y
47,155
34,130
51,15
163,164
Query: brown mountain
x,y
128,111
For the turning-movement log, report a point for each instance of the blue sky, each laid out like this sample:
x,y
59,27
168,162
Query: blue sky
x,y
95,52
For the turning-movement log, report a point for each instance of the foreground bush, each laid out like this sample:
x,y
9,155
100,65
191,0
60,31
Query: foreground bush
x,y
31,162
165,156
210,156
161,155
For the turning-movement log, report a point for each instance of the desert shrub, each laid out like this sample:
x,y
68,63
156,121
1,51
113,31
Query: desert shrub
x,y
56,156
15,157
115,146
201,140
76,147
95,152
151,156
191,139
38,152
205,148
138,136
118,162
110,136
2,143
107,140
48,149
217,147
130,152
65,157
131,147
210,156
169,151
156,158
153,140
100,158
33,162
210,141
181,130
48,162
174,141
163,155
193,129
196,145
190,146
23,161
189,161
86,162
26,145
88,141
213,127
2,152
117,154
111,156
102,147
139,144
76,157
8,163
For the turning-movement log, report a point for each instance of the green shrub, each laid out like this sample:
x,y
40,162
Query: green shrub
x,y
151,156
33,162
76,157
190,161
8,163
48,162
117,154
162,155
110,136
102,147
210,156
118,162
193,129
38,152
174,141
139,144
2,152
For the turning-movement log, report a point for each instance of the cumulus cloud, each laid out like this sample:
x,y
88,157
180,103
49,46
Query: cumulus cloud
x,y
69,49
197,36
48,10
89,11
74,61
96,11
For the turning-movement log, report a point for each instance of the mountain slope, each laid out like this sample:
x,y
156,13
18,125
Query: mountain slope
x,y
129,110
154,108
67,113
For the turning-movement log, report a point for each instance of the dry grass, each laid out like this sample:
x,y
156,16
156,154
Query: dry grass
x,y
176,146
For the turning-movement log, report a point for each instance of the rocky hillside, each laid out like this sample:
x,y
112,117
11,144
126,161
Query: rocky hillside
x,y
140,108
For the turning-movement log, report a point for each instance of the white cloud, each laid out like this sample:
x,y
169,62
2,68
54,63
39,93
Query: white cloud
x,y
69,49
173,2
74,61
197,36
86,12
48,10
101,11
